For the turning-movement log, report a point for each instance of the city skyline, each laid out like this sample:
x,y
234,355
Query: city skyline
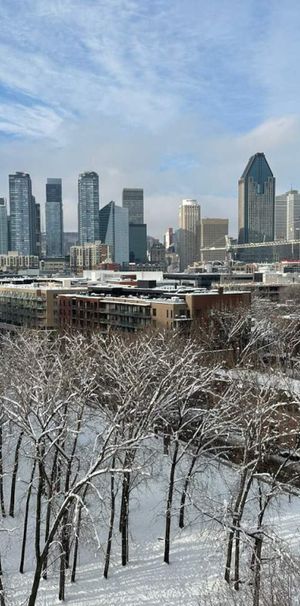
x,y
176,107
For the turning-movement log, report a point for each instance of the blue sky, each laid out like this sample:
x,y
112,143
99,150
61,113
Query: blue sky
x,y
168,95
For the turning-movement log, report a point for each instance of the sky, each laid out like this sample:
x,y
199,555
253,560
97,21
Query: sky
x,y
167,95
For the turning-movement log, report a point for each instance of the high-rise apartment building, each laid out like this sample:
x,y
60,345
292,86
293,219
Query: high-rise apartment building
x,y
3,228
22,214
133,200
169,238
293,215
54,219
89,256
88,207
280,217
188,236
38,235
213,232
114,231
256,201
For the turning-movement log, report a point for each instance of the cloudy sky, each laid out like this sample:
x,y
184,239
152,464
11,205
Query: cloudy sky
x,y
169,95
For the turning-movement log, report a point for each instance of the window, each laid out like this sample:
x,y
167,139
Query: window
x,y
154,312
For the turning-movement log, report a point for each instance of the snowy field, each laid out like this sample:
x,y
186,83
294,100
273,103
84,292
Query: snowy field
x,y
194,576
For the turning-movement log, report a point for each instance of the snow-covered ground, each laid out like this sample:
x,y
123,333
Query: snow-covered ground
x,y
194,576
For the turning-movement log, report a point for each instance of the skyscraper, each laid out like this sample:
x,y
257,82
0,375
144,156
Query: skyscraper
x,y
256,201
293,215
22,214
133,200
188,237
213,232
38,243
88,207
3,228
137,242
114,231
280,217
54,218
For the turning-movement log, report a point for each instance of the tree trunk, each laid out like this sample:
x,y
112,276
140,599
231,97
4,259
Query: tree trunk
x,y
51,491
169,504
14,476
237,558
1,474
76,545
229,556
257,571
185,488
124,517
36,582
111,522
23,549
38,515
62,567
2,598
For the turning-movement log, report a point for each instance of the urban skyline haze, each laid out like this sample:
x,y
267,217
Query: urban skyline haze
x,y
174,99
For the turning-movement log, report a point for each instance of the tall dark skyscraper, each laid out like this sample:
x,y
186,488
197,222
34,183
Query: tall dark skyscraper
x,y
22,214
256,201
133,200
114,231
38,244
88,207
54,218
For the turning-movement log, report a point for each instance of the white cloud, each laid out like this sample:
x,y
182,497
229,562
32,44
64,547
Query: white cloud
x,y
127,87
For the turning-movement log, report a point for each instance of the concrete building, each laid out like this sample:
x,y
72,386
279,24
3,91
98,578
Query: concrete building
x,y
256,201
31,306
293,215
280,217
188,235
13,262
22,214
3,228
89,256
114,231
54,219
38,235
130,310
169,239
88,207
213,234
158,255
133,200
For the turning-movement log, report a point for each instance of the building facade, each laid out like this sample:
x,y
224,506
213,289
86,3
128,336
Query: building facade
x,y
22,214
293,215
130,313
133,200
88,256
114,231
188,235
3,228
137,242
213,235
54,219
256,201
280,217
88,207
31,306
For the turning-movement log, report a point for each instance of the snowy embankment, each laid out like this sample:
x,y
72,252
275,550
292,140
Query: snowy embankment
x,y
194,576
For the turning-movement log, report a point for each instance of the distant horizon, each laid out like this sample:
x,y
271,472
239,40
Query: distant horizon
x,y
173,99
